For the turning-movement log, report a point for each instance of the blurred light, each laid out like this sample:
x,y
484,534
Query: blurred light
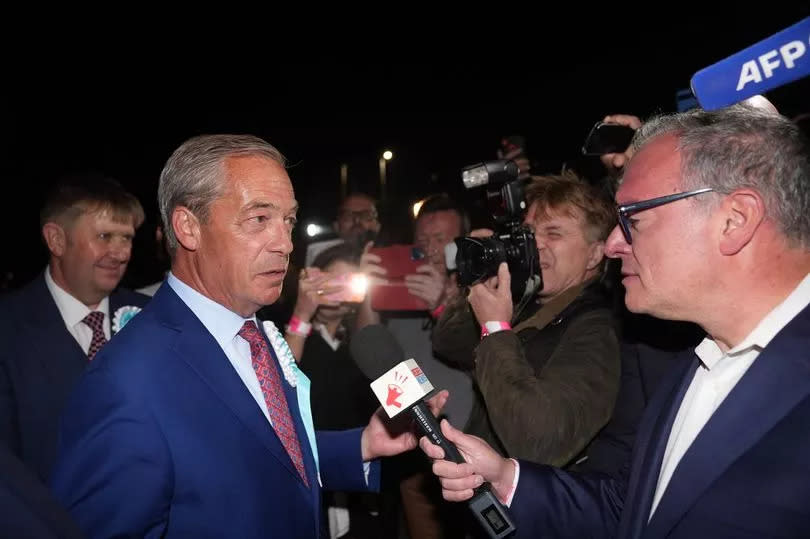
x,y
313,230
417,206
387,155
358,284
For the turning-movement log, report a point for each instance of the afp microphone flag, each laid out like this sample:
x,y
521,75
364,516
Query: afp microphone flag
x,y
775,61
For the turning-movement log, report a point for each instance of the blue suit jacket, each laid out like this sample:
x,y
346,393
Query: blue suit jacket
x,y
747,474
162,439
40,362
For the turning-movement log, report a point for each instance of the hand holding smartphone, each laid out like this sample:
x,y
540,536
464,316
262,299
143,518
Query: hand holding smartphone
x,y
607,138
351,287
343,288
392,294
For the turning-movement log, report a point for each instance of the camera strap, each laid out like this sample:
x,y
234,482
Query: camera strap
x,y
529,292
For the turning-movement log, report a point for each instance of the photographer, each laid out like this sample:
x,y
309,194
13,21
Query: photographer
x,y
549,384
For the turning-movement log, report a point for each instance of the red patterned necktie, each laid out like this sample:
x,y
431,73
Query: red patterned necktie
x,y
270,382
95,321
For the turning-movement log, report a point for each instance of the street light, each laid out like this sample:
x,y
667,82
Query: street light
x,y
387,155
344,179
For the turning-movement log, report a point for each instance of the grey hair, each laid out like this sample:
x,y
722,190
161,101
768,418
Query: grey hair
x,y
743,147
194,174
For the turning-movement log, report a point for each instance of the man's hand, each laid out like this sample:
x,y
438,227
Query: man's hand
x,y
482,464
614,162
384,437
429,284
492,299
370,265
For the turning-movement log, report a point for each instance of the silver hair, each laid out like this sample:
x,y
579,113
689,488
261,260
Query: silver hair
x,y
194,175
743,147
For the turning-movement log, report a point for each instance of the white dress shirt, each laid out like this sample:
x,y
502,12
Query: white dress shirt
x,y
333,343
74,311
716,376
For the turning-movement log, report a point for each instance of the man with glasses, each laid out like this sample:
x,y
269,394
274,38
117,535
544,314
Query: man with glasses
x,y
714,228
357,221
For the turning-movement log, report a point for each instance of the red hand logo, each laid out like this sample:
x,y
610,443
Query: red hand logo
x,y
394,392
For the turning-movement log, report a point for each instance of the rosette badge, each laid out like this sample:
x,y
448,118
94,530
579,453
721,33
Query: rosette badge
x,y
122,316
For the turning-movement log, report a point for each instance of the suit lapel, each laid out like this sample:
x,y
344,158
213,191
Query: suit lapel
x,y
60,356
653,435
198,348
777,381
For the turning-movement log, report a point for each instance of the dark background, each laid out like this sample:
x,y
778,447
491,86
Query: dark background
x,y
125,117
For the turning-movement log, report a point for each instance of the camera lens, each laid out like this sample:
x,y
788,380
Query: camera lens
x,y
478,258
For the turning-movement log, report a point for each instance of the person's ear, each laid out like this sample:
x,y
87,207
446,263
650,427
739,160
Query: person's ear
x,y
186,228
741,213
596,253
55,238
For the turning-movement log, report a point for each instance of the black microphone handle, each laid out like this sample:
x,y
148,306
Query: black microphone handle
x,y
430,427
492,516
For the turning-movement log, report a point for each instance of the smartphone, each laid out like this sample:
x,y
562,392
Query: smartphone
x,y
398,261
353,287
607,138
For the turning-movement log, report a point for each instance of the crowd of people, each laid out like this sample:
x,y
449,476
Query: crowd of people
x,y
654,384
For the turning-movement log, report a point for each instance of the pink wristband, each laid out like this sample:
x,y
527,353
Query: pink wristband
x,y
493,327
299,327
437,312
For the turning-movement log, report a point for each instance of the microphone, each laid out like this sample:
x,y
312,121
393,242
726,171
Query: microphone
x,y
772,62
404,387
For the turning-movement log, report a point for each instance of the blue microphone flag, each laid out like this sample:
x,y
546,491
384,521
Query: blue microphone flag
x,y
773,62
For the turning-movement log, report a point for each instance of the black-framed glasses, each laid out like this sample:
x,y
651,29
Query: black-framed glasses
x,y
627,210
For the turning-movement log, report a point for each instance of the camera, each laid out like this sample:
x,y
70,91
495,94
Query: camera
x,y
476,259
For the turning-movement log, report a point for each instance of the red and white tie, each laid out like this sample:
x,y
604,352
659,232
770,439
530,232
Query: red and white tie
x,y
274,396
95,321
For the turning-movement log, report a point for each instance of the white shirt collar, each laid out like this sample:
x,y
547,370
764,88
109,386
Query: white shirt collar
x,y
220,321
710,353
333,343
72,310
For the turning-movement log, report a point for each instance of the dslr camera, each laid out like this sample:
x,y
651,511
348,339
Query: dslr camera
x,y
476,259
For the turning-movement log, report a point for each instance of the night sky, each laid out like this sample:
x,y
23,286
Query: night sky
x,y
437,113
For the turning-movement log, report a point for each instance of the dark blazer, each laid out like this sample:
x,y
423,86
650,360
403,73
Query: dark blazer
x,y
340,395
643,369
27,508
40,362
549,386
745,475
161,438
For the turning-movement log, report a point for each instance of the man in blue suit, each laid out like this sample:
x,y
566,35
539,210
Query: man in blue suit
x,y
714,227
195,421
53,326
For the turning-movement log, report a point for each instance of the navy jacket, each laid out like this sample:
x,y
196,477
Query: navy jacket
x,y
40,362
745,475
